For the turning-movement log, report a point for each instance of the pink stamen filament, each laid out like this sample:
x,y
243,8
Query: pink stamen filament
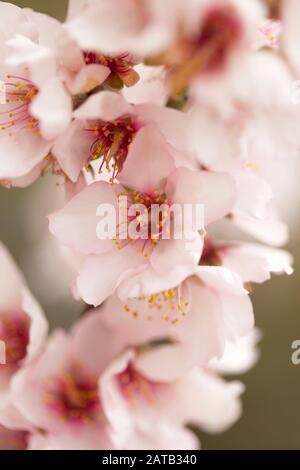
x,y
18,115
152,238
111,143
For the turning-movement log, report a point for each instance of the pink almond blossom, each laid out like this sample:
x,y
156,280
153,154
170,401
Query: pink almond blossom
x,y
136,398
183,37
86,390
104,128
149,176
44,72
58,393
198,316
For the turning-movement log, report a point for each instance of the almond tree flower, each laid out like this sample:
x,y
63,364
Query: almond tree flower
x,y
251,130
45,74
23,327
219,147
118,61
82,70
90,390
104,128
60,392
137,394
211,39
227,145
195,318
35,106
76,69
148,177
194,39
255,215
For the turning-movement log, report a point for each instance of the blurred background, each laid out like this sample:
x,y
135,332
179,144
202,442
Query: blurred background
x,y
271,417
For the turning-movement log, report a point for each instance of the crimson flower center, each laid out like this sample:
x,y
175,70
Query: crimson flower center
x,y
120,66
194,54
211,254
144,221
220,31
74,397
135,387
111,140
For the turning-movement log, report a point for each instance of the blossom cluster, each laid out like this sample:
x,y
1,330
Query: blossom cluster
x,y
185,102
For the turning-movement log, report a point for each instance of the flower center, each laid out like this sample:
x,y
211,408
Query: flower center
x,y
208,51
170,304
13,440
220,31
74,397
135,388
14,332
211,254
121,68
111,140
144,221
16,95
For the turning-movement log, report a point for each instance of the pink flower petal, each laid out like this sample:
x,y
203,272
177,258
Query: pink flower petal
x,y
215,191
148,163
